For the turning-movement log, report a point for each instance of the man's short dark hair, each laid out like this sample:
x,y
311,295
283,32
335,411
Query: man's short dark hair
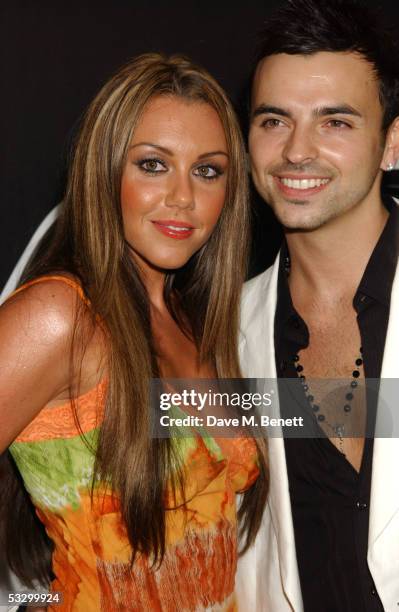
x,y
305,27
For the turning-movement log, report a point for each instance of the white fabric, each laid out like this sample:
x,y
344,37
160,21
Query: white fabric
x,y
12,282
267,578
9,582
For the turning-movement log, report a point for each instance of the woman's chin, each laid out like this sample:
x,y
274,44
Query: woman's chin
x,y
170,265
165,264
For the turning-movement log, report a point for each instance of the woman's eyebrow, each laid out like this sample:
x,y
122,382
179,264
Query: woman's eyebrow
x,y
169,152
212,153
153,145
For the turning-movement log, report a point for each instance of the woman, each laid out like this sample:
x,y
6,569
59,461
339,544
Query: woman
x,y
141,280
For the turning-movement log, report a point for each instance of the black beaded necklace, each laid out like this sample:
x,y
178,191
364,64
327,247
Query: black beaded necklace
x,y
338,428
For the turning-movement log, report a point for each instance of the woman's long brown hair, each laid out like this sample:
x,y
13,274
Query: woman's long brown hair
x,y
89,243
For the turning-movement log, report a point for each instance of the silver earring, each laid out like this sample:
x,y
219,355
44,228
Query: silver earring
x,y
390,167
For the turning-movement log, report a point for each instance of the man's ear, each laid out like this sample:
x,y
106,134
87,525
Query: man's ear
x,y
390,159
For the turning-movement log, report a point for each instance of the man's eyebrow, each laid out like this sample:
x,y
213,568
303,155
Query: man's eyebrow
x,y
266,109
324,111
340,109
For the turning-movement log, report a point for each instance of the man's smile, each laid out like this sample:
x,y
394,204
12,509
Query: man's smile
x,y
305,185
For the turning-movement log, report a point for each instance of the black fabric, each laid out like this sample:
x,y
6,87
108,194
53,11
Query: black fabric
x,y
329,498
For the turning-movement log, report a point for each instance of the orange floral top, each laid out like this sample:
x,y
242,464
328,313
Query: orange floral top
x,y
91,559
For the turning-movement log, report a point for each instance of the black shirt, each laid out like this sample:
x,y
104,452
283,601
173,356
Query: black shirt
x,y
329,498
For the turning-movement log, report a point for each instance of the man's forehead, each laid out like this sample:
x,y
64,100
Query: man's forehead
x,y
316,79
321,67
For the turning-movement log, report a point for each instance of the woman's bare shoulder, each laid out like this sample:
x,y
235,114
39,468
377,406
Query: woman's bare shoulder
x,y
36,328
46,303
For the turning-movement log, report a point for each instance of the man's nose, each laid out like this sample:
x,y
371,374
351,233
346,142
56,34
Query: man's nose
x,y
181,192
300,147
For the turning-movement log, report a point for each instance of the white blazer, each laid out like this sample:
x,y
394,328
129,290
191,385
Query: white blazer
x,y
267,576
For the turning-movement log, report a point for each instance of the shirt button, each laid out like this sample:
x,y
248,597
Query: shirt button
x,y
295,323
373,590
361,505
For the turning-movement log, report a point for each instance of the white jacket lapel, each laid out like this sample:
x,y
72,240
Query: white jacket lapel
x,y
258,308
383,556
258,360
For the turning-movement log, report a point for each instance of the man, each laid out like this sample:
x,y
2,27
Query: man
x,y
323,129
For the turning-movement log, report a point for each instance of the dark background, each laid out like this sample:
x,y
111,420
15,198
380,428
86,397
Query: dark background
x,y
54,57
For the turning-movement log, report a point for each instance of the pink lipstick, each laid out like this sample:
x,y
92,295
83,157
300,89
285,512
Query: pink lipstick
x,y
174,229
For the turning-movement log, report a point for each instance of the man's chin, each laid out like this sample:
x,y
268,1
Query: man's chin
x,y
299,222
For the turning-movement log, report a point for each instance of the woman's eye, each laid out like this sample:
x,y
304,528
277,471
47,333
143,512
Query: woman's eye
x,y
152,166
208,172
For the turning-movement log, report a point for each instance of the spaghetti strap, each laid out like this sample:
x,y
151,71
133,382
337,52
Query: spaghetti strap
x,y
64,279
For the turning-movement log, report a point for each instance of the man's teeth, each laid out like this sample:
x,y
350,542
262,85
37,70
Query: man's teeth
x,y
303,183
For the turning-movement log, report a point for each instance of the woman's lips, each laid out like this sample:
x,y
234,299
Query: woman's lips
x,y
177,230
301,186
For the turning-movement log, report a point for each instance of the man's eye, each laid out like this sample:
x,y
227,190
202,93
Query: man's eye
x,y
208,172
271,123
337,123
151,165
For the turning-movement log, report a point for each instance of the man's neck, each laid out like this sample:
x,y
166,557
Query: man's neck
x,y
328,263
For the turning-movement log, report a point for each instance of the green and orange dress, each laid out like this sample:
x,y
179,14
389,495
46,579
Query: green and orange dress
x,y
91,558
